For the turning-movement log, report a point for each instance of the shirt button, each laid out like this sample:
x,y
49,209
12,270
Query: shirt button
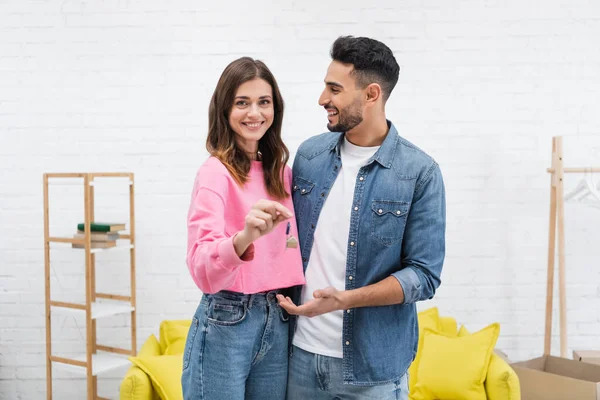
x,y
361,178
304,259
295,187
351,243
312,226
323,194
355,208
398,212
347,311
380,211
347,343
350,278
303,190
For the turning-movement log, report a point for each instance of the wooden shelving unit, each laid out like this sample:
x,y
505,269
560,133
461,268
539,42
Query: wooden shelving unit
x,y
556,238
97,358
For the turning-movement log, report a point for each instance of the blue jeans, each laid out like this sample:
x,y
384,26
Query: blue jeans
x,y
317,377
236,348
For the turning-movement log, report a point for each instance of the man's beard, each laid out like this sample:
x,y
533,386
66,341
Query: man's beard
x,y
348,118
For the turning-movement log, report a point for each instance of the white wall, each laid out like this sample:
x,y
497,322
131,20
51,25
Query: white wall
x,y
124,86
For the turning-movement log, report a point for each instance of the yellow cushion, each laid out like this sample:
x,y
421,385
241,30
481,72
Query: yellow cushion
x,y
454,367
172,330
448,325
429,318
501,382
151,347
165,374
177,347
136,384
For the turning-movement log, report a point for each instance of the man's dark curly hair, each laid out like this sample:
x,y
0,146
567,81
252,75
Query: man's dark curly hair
x,y
373,61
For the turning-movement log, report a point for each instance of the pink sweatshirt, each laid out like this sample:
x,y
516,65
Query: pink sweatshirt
x,y
217,212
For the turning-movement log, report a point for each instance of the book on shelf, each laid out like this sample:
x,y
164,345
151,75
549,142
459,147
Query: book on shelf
x,y
96,245
102,226
98,236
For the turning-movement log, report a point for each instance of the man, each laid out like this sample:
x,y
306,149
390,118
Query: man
x,y
370,208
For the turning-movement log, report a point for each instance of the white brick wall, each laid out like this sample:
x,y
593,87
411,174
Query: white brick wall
x,y
124,86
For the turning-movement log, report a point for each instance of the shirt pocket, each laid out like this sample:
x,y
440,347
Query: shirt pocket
x,y
300,194
388,220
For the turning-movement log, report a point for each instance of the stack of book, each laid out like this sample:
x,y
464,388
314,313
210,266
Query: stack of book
x,y
104,234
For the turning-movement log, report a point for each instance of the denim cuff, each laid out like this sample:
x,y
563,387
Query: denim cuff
x,y
411,284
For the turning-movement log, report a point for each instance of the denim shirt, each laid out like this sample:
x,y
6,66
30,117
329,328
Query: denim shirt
x,y
397,228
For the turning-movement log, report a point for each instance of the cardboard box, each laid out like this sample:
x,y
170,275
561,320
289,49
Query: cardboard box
x,y
555,378
588,356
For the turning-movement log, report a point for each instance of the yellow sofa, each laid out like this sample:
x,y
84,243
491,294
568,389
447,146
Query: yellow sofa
x,y
156,370
456,364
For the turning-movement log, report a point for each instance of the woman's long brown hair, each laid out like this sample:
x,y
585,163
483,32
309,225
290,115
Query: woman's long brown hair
x,y
221,142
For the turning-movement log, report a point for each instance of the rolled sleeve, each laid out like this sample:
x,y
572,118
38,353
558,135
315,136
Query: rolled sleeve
x,y
423,246
411,284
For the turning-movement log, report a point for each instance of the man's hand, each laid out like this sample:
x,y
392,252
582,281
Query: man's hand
x,y
325,300
383,293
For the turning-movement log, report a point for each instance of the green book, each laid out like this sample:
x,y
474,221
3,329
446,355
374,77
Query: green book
x,y
102,227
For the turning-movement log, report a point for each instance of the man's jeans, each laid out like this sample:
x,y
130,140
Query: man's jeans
x,y
318,377
236,348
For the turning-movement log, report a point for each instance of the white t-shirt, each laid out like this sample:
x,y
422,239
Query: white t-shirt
x,y
327,265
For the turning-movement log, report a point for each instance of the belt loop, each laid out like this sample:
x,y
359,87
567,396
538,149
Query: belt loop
x,y
250,298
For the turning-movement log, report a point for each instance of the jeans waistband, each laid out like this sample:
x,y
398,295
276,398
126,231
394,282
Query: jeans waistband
x,y
248,299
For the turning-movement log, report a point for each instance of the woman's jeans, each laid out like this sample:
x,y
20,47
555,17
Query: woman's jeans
x,y
236,348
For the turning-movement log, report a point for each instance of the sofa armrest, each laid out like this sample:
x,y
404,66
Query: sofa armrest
x,y
136,386
501,382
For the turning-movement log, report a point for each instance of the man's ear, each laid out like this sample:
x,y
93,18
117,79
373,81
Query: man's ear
x,y
373,92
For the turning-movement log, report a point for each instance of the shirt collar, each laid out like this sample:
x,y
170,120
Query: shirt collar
x,y
385,154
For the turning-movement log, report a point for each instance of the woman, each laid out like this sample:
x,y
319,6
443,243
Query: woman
x,y
240,224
